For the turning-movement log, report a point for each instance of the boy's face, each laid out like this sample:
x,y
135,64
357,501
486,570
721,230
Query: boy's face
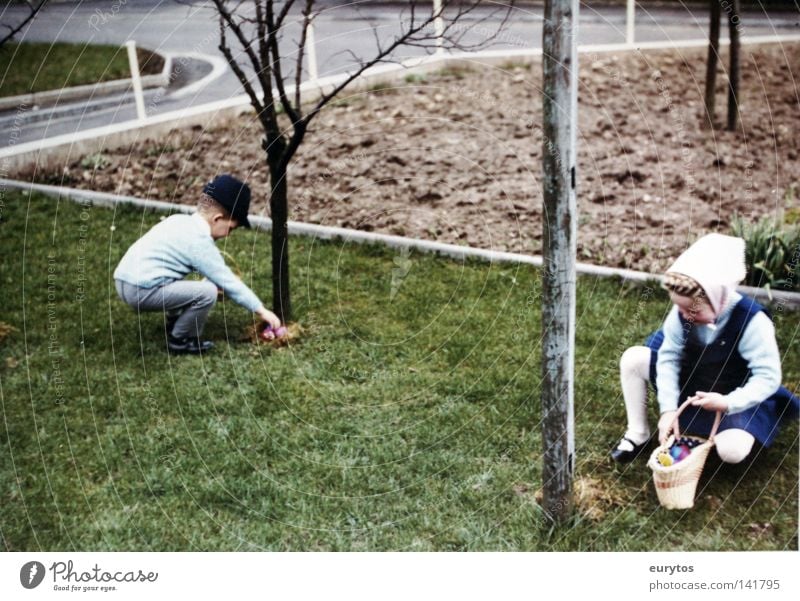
x,y
222,225
695,310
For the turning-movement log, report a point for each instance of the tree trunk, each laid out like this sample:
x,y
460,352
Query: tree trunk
x,y
711,67
279,210
733,87
559,95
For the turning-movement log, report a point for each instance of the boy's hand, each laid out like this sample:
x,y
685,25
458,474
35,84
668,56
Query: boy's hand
x,y
712,401
269,317
665,425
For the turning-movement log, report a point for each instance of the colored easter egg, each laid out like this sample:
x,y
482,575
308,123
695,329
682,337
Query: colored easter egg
x,y
665,459
281,332
679,452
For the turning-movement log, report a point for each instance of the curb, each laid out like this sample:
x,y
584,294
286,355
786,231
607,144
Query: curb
x,y
781,300
86,92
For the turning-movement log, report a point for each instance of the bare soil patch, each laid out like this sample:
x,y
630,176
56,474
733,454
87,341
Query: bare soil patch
x,y
456,157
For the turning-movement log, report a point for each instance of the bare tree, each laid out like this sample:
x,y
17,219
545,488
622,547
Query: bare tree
x,y
254,39
32,9
711,64
733,75
733,12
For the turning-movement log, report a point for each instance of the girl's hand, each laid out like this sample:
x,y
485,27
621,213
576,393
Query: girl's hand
x,y
665,423
712,401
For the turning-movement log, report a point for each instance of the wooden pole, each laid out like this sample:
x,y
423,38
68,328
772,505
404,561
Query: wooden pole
x,y
733,76
560,112
711,66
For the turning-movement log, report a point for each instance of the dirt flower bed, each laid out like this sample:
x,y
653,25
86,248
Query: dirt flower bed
x,y
456,157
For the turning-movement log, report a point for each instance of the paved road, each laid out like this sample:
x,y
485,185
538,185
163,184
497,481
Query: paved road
x,y
343,32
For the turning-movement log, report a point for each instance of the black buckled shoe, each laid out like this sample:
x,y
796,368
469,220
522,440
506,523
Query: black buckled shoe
x,y
191,346
625,455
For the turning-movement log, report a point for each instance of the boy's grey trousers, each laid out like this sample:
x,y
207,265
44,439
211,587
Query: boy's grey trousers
x,y
190,300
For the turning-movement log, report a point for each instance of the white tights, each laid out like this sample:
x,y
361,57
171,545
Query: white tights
x,y
634,372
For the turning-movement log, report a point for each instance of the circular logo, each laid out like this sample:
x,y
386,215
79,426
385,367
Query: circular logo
x,y
31,574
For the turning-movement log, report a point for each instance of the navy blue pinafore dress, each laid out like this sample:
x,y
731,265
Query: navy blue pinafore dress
x,y
718,367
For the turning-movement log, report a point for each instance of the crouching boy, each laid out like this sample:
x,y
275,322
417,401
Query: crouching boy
x,y
150,275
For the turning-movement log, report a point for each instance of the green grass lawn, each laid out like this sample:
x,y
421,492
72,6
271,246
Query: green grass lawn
x,y
400,422
38,67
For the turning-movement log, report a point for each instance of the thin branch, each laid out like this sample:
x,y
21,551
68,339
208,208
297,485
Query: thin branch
x,y
33,11
416,30
263,51
234,65
246,45
298,71
412,35
284,11
276,66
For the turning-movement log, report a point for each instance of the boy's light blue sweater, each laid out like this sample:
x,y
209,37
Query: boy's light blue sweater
x,y
174,248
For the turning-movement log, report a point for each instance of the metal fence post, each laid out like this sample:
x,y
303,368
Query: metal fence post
x,y
311,51
438,24
629,22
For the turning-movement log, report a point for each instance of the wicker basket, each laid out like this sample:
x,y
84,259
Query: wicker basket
x,y
676,484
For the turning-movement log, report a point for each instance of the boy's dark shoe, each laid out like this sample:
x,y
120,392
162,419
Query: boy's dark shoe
x,y
625,453
191,346
171,319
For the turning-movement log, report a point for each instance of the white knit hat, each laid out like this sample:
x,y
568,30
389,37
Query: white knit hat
x,y
717,263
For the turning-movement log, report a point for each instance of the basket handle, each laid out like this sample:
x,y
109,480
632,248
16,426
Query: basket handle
x,y
676,424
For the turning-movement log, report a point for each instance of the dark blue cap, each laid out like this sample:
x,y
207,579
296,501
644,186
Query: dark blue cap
x,y
231,194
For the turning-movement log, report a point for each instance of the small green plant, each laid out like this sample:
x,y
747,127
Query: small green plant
x,y
455,72
512,65
342,102
158,149
416,78
772,252
380,89
791,215
95,161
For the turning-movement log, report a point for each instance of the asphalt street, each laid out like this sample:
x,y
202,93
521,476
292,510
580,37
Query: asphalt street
x,y
345,32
